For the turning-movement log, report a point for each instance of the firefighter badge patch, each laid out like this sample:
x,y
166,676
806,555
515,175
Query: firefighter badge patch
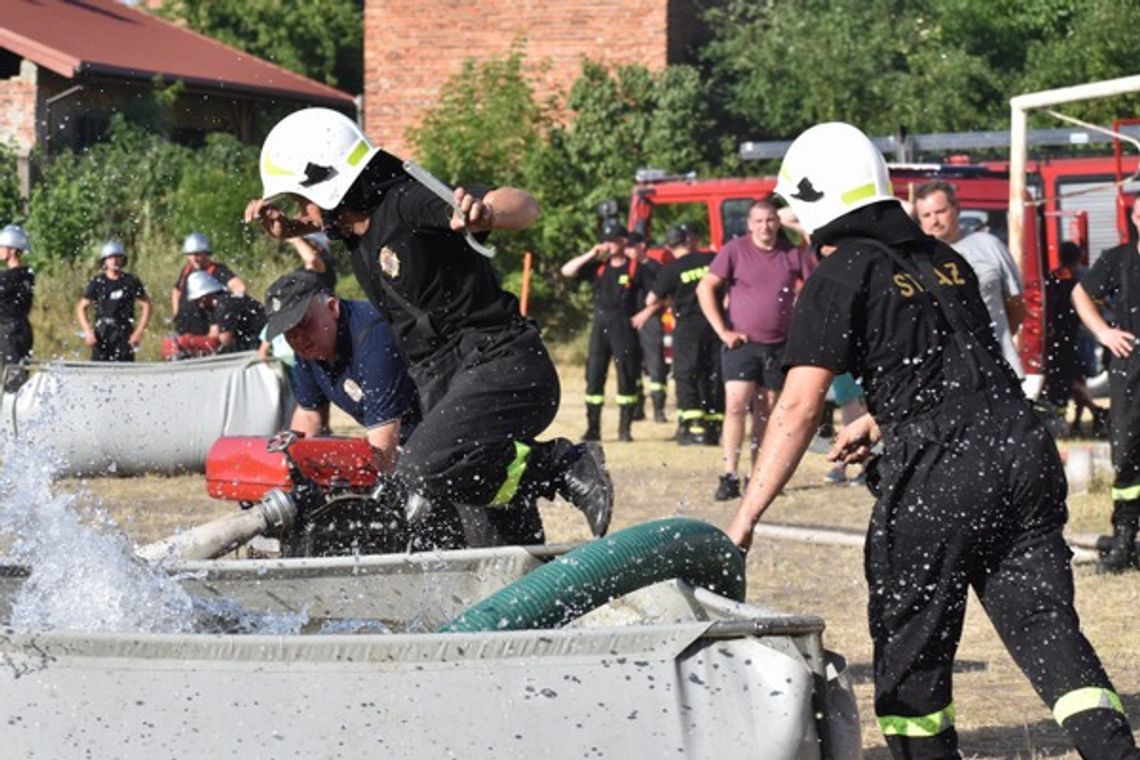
x,y
389,262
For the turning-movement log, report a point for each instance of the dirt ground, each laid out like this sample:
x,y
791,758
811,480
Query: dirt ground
x,y
999,716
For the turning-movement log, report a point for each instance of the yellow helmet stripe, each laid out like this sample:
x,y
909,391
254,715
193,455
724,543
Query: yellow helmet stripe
x,y
273,170
358,153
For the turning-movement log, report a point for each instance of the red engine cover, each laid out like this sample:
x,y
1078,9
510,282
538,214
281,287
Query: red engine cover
x,y
239,468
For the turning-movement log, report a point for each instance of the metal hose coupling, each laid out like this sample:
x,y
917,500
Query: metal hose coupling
x,y
279,510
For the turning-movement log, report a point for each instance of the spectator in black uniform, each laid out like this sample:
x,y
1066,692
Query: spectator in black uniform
x,y
970,488
696,347
1115,281
1064,365
617,279
199,258
235,320
17,288
650,331
115,336
486,383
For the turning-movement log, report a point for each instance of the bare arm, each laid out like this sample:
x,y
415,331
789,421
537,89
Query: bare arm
x,y
711,308
175,298
144,319
572,267
504,208
1119,342
1015,312
306,421
84,324
653,305
790,429
384,440
236,286
310,255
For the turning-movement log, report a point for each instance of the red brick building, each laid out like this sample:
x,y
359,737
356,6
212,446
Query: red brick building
x,y
411,47
65,67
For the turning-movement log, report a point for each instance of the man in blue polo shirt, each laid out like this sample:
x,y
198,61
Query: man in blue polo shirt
x,y
345,354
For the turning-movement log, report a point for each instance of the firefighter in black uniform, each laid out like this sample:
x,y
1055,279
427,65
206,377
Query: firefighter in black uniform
x,y
1115,279
650,330
17,288
115,336
696,347
970,488
235,320
472,470
617,280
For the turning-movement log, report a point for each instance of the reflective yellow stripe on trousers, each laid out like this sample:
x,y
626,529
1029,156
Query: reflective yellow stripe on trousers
x,y
1088,698
1127,493
515,472
920,726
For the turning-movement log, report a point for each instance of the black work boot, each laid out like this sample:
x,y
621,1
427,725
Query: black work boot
x,y
658,398
593,423
627,414
728,488
711,435
639,408
1121,554
584,482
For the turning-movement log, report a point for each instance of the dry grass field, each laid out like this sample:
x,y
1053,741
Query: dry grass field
x,y
999,716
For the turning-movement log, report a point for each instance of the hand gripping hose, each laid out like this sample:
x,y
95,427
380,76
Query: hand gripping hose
x,y
604,569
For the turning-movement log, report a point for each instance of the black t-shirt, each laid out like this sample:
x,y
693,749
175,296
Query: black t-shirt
x,y
1115,278
115,299
616,288
241,315
860,312
423,277
678,279
649,270
17,287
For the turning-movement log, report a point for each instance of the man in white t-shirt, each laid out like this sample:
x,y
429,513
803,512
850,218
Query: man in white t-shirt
x,y
936,210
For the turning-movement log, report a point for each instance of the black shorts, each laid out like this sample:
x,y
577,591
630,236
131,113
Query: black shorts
x,y
755,363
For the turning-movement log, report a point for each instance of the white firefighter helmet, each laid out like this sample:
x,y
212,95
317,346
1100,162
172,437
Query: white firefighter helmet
x,y
112,248
316,153
195,242
200,284
13,236
830,170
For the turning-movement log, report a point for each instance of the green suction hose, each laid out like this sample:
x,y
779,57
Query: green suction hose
x,y
595,573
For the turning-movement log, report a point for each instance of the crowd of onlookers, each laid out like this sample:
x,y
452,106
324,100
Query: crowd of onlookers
x,y
212,313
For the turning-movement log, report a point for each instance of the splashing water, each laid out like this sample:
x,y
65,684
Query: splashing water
x,y
84,579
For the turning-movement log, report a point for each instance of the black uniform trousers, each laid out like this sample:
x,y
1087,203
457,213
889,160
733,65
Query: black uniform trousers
x,y
651,336
112,342
613,337
1124,424
484,397
697,371
973,495
15,348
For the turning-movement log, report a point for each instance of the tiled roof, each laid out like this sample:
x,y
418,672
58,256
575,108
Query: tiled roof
x,y
76,38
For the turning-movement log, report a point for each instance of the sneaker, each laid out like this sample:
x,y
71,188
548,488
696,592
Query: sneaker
x,y
728,488
858,480
586,484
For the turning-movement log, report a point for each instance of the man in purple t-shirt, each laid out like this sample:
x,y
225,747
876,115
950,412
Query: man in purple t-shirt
x,y
761,275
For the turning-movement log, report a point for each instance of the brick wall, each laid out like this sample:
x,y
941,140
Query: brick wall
x,y
18,109
413,46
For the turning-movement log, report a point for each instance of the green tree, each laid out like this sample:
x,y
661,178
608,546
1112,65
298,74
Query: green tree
x,y
11,204
1095,44
321,39
777,68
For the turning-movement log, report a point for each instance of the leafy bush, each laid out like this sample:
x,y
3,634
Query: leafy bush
x,y
11,205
